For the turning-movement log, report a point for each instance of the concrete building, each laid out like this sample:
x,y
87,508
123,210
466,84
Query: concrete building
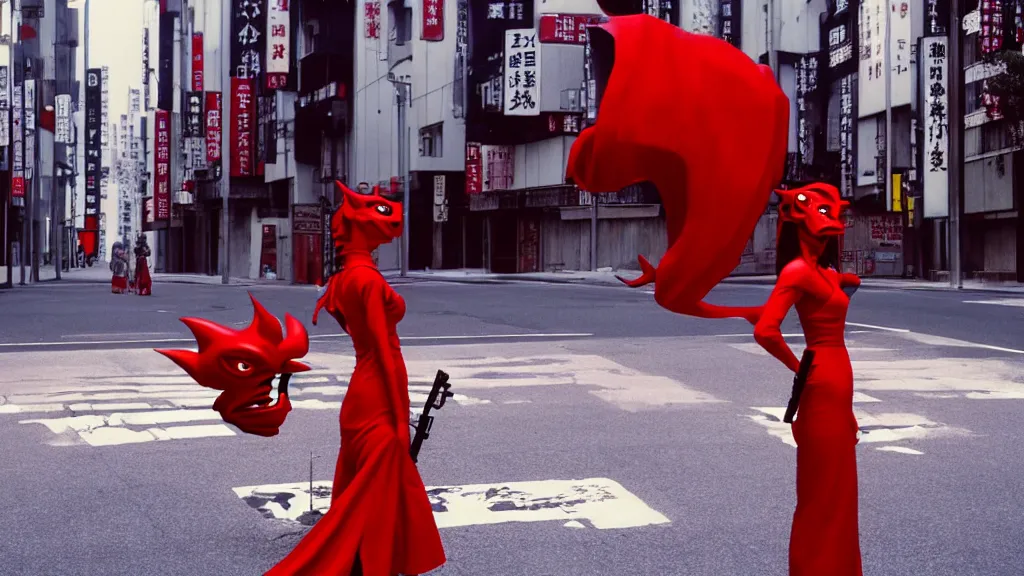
x,y
39,65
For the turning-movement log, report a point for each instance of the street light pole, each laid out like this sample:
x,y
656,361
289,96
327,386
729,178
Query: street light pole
x,y
888,105
956,139
224,183
401,98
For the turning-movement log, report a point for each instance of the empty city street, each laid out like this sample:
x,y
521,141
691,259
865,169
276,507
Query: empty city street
x,y
592,433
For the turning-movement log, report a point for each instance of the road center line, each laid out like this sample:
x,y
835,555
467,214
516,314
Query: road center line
x,y
314,337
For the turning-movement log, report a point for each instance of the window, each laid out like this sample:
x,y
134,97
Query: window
x,y
430,141
400,15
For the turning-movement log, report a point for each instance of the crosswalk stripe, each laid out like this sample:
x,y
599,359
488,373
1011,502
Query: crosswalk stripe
x,y
600,503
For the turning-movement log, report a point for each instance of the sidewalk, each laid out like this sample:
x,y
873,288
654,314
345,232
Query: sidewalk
x,y
99,273
606,276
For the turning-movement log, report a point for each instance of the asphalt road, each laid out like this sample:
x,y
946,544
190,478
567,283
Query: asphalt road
x,y
593,434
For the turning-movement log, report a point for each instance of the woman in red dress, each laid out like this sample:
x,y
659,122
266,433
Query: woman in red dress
x,y
143,281
380,522
119,269
825,539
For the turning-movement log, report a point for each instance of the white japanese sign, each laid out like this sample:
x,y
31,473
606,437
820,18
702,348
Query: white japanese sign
x,y
197,153
440,202
30,127
62,118
5,106
871,77
278,38
522,73
133,99
936,128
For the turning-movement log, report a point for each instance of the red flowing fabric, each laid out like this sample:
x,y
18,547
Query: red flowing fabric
x,y
143,281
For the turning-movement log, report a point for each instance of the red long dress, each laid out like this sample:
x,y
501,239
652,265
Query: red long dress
x,y
379,507
143,281
825,540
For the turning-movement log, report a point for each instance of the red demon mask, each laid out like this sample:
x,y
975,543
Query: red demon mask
x,y
365,220
701,121
816,208
243,365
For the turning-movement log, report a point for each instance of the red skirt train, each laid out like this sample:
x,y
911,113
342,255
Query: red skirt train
x,y
119,284
143,281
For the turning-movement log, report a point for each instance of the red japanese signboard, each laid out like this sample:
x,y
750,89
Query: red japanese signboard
x,y
213,127
278,42
162,166
566,28
371,18
17,187
474,169
433,20
197,62
243,125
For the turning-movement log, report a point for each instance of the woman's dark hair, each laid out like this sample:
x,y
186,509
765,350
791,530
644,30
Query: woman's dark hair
x,y
788,248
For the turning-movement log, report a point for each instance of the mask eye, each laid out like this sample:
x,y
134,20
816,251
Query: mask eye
x,y
801,198
823,210
383,209
242,367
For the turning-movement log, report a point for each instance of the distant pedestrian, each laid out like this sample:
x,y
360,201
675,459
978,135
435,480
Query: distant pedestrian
x,y
143,281
119,269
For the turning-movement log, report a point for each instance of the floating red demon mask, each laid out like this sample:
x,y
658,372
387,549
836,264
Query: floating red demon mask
x,y
362,223
701,121
243,365
816,208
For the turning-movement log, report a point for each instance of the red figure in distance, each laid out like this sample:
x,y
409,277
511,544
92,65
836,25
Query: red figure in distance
x,y
710,133
380,522
825,538
243,365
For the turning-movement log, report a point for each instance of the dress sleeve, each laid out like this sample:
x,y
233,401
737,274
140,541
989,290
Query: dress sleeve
x,y
767,331
848,280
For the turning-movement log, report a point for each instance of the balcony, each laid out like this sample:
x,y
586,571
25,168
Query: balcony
x,y
400,34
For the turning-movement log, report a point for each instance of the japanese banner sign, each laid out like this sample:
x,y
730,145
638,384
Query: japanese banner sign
x,y
193,114
248,39
566,28
197,62
93,144
371,19
936,127
522,73
213,127
433,20
243,126
162,166
278,43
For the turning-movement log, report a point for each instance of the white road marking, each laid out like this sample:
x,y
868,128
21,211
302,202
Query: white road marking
x,y
874,327
1014,302
875,428
598,502
899,450
126,409
312,338
860,397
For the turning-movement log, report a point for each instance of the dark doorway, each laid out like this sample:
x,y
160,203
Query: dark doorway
x,y
504,241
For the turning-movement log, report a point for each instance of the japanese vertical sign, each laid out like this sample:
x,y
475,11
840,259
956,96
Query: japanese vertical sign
x,y
145,68
371,19
871,77
197,62
278,43
522,73
806,83
461,55
30,128
162,167
474,169
93,145
248,40
17,151
133,101
846,165
730,23
433,20
5,106
213,127
62,118
243,104
193,115
840,45
936,128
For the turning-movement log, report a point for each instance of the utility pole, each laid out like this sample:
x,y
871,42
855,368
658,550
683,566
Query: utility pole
x,y
773,53
224,183
401,98
888,105
956,139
